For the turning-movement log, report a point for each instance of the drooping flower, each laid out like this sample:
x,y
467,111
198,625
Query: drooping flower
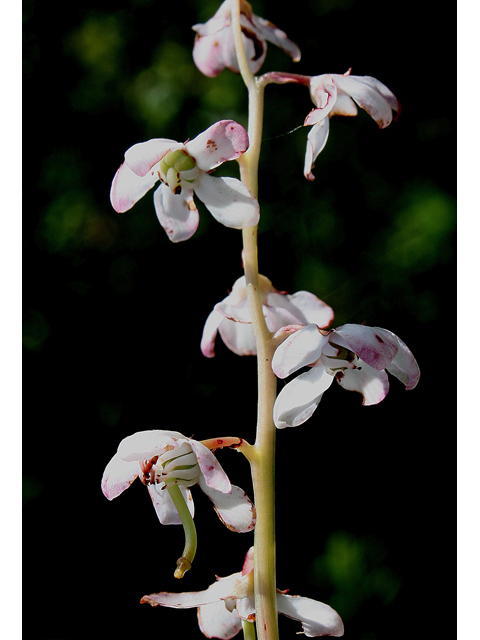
x,y
214,47
161,458
356,356
335,94
231,317
227,602
183,169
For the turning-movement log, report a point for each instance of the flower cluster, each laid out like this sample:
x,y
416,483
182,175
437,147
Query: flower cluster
x,y
232,320
184,169
223,606
356,356
297,327
162,458
214,48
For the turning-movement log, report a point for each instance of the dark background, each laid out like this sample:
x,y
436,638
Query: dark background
x,y
113,315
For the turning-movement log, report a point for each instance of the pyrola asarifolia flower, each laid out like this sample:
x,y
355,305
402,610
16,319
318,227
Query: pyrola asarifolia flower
x,y
183,169
214,47
231,317
356,356
335,94
161,458
223,606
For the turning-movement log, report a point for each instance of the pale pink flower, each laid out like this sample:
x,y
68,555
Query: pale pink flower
x,y
354,355
335,94
183,169
223,606
162,457
231,317
214,47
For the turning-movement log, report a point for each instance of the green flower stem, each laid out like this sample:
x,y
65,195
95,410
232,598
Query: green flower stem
x,y
262,454
184,563
248,630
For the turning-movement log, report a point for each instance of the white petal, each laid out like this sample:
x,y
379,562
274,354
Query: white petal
x,y
144,155
224,140
127,188
207,344
305,308
317,618
189,600
316,141
368,96
235,509
302,348
228,200
165,509
323,92
276,36
177,214
213,473
208,52
118,476
372,384
144,445
403,366
238,337
344,106
375,347
298,400
215,621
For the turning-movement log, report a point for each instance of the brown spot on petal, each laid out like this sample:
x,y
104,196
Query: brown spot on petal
x,y
212,145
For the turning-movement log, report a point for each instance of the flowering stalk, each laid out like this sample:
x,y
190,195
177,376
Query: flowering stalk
x,y
262,454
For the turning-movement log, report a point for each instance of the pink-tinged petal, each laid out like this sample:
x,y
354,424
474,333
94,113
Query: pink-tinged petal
x,y
344,106
213,473
302,348
235,305
249,562
228,200
316,141
127,188
192,599
403,366
276,36
281,315
297,401
317,618
177,214
224,140
221,19
305,308
323,92
371,383
118,476
208,53
236,313
235,509
144,445
384,91
368,96
238,337
164,508
375,347
254,44
207,344
216,621
144,155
